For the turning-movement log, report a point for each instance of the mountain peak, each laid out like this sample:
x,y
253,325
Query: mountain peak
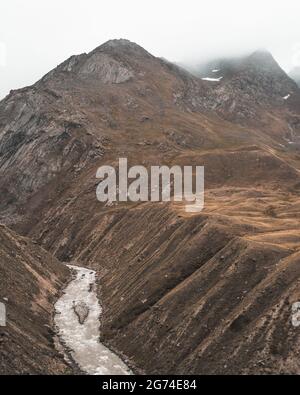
x,y
263,59
121,42
228,66
123,46
262,54
115,61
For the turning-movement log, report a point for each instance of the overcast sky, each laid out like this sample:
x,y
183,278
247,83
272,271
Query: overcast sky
x,y
36,35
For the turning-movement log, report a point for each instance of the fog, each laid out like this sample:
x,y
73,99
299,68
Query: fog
x,y
37,35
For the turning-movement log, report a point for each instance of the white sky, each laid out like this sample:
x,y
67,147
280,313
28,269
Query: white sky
x,y
36,35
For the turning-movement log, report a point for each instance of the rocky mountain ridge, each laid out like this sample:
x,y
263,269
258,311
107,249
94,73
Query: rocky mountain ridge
x,y
229,273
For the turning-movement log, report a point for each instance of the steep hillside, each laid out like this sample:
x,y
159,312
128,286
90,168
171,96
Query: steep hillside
x,y
85,113
186,291
31,280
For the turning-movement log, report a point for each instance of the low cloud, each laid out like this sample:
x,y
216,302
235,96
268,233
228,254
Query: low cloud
x,y
38,35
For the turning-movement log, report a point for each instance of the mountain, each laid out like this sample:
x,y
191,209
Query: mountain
x,y
295,75
242,86
186,292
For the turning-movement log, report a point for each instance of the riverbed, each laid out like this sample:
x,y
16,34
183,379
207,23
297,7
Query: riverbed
x,y
77,318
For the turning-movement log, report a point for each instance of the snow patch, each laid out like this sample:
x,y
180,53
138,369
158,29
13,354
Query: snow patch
x,y
212,79
286,97
82,338
215,71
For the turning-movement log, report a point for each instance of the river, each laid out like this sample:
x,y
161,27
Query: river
x,y
77,319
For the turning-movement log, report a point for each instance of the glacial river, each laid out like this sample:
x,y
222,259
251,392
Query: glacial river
x,y
77,319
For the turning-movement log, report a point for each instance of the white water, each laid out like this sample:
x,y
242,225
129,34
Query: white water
x,y
83,340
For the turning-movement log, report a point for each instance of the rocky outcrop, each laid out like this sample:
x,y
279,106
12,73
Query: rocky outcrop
x,y
81,309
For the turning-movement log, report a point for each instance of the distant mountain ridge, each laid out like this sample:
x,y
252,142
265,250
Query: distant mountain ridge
x,y
245,81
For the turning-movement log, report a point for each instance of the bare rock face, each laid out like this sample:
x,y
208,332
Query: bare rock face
x,y
81,309
97,65
111,63
107,69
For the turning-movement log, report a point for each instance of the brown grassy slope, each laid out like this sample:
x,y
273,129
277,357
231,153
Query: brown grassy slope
x,y
185,295
79,116
30,281
166,304
150,255
228,316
